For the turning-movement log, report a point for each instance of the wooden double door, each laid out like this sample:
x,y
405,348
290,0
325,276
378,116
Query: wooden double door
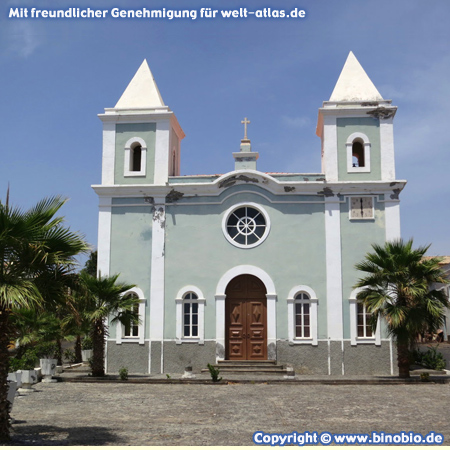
x,y
246,319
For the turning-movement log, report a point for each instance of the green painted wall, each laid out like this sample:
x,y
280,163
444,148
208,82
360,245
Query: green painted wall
x,y
197,252
371,128
126,131
131,248
357,236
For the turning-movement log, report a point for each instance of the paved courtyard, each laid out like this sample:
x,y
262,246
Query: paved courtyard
x,y
166,414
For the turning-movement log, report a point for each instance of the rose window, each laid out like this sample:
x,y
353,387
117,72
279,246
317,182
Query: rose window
x,y
246,226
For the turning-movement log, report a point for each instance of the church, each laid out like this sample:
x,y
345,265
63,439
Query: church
x,y
247,266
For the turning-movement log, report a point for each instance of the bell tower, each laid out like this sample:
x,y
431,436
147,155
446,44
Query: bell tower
x,y
141,135
356,129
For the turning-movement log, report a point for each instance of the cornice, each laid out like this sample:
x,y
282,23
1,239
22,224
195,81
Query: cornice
x,y
259,179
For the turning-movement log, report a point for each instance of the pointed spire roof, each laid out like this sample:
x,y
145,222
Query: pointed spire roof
x,y
354,84
142,92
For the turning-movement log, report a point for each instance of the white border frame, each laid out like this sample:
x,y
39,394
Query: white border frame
x,y
120,329
233,208
179,315
127,154
355,340
366,144
313,302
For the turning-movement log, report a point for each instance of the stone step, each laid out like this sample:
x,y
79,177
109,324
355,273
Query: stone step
x,y
247,362
249,367
254,370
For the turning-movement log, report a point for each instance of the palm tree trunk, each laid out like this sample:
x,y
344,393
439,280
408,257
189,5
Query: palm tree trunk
x,y
4,366
78,357
98,347
403,359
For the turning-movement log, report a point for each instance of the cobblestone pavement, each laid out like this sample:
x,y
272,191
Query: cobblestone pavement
x,y
165,414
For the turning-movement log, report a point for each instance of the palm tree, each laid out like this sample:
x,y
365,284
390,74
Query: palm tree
x,y
36,257
398,287
106,299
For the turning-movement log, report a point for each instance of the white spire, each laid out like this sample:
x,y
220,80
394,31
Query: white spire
x,y
142,92
354,84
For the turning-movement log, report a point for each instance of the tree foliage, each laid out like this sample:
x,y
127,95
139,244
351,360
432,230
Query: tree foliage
x,y
105,299
399,286
37,254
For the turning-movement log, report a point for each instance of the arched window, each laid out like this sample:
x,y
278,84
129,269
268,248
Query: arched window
x,y
360,329
358,153
302,315
136,158
190,313
131,332
132,329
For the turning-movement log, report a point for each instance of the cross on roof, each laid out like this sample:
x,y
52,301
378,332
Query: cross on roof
x,y
245,122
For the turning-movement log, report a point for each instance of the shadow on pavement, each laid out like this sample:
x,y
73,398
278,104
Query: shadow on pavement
x,y
51,435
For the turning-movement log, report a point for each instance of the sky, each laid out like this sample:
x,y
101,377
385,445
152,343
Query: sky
x,y
57,74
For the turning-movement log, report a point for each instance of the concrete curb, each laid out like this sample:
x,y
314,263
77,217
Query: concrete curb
x,y
339,382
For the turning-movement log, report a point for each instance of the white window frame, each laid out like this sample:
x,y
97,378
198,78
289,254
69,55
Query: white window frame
x,y
313,304
366,146
127,155
350,207
355,340
228,213
120,328
179,315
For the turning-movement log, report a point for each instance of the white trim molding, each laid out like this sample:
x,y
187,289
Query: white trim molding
x,y
313,302
104,236
387,149
354,339
200,300
392,219
270,295
361,137
127,155
109,153
120,329
329,148
333,268
157,272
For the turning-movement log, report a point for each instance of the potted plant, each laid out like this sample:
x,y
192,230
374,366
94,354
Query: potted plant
x,y
86,349
46,352
26,364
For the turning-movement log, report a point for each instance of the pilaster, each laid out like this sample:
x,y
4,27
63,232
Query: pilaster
x,y
333,268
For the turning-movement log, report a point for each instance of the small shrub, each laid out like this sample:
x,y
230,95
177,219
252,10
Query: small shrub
x,y
425,376
123,373
91,362
168,376
431,359
214,372
26,362
47,350
69,355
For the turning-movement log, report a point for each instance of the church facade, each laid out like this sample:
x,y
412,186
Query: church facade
x,y
247,265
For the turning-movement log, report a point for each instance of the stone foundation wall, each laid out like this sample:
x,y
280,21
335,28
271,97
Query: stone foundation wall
x,y
130,355
178,356
363,359
305,359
